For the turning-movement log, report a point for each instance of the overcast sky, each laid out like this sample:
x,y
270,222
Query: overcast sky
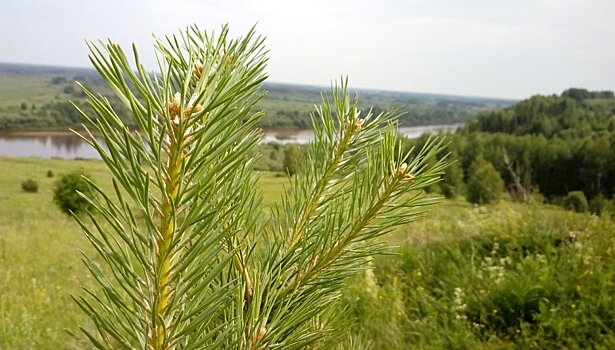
x,y
499,48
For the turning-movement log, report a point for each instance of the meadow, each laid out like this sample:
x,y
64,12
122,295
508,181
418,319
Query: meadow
x,y
503,276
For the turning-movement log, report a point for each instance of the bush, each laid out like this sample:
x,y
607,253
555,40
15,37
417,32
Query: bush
x,y
484,183
576,201
30,186
49,173
601,205
66,196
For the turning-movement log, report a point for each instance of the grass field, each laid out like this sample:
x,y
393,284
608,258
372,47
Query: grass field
x,y
465,277
40,263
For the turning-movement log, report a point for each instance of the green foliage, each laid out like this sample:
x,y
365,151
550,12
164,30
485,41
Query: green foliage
x,y
49,173
514,277
579,94
575,200
452,184
185,260
29,186
484,182
569,115
434,257
69,191
550,167
292,155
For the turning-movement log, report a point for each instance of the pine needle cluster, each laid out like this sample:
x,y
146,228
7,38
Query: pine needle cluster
x,y
188,258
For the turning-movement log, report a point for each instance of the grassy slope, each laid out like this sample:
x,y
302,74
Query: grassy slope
x,y
40,266
39,261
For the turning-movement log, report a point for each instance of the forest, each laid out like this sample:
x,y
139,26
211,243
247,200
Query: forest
x,y
551,146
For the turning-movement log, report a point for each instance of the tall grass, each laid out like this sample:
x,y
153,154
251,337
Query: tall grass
x,y
507,276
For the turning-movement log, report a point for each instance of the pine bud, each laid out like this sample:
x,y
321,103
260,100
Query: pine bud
x,y
260,334
358,124
174,105
198,71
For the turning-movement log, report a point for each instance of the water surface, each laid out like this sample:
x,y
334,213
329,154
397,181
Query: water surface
x,y
68,146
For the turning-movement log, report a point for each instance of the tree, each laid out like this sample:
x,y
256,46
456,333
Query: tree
x,y
452,183
484,182
291,159
190,263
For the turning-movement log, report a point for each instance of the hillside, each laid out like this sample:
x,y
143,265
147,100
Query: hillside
x,y
37,97
516,259
574,113
554,146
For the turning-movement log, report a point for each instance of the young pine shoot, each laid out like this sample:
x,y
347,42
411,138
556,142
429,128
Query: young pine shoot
x,y
187,258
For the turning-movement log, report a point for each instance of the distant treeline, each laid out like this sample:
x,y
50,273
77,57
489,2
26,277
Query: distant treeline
x,y
37,97
552,145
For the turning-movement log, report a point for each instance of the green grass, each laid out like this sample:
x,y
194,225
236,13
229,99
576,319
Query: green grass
x,y
554,288
40,263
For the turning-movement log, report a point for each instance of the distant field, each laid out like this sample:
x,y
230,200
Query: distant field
x,y
36,96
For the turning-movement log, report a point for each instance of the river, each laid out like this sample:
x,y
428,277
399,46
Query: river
x,y
68,146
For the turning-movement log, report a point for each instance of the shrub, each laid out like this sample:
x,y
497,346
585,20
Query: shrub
x,y
484,182
576,201
601,205
49,173
66,193
29,186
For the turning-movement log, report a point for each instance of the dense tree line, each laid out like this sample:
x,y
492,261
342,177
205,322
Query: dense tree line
x,y
552,145
55,114
566,116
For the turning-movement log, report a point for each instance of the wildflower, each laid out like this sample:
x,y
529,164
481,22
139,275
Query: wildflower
x,y
494,312
573,306
419,274
460,306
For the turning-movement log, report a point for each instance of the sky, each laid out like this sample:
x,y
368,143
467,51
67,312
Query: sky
x,y
490,48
